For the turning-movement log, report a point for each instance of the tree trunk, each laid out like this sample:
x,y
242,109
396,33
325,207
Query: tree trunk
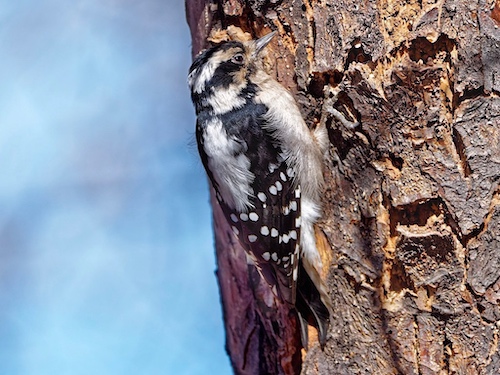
x,y
411,229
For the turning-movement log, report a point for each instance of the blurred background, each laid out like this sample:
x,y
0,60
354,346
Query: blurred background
x,y
106,248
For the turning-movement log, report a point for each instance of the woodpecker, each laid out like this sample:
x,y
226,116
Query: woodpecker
x,y
265,166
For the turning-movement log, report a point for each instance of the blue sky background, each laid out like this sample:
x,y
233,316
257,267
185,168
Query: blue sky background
x,y
106,248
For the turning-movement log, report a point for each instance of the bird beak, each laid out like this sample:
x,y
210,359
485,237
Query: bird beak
x,y
261,43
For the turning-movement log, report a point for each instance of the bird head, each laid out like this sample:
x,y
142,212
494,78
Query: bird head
x,y
226,64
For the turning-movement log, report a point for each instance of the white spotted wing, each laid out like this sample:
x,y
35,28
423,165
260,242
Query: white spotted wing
x,y
270,230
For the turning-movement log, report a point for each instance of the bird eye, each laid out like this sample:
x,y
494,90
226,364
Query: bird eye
x,y
238,59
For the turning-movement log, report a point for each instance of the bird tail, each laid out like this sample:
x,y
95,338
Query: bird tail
x,y
313,305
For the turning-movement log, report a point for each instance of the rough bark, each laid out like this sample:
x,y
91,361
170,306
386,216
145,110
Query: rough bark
x,y
411,228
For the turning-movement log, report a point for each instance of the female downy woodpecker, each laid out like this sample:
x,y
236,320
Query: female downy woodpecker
x,y
266,168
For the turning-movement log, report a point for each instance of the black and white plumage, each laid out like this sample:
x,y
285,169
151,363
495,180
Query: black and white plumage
x,y
266,168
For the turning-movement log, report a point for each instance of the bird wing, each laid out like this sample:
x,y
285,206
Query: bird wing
x,y
270,229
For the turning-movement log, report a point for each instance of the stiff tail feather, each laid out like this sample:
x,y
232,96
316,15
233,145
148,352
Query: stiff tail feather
x,y
311,308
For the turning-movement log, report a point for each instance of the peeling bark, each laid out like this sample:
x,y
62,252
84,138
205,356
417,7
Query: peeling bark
x,y
409,92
